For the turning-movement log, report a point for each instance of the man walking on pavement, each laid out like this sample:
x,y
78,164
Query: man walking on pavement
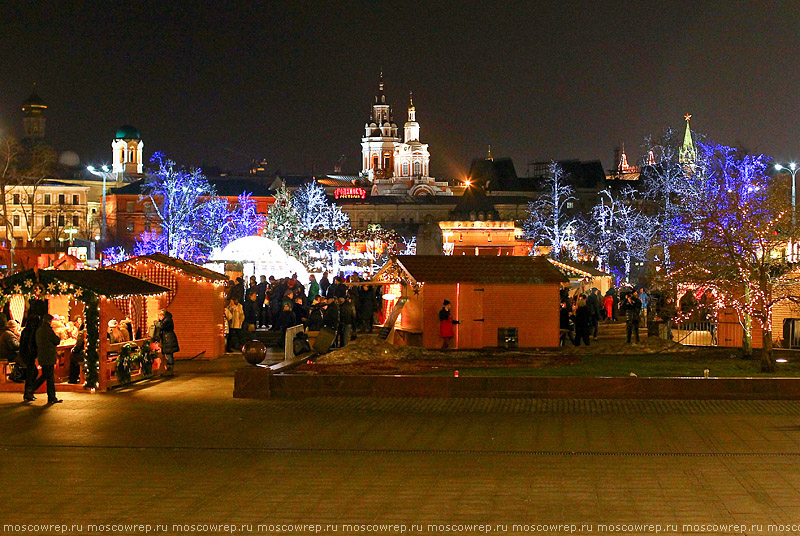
x,y
46,343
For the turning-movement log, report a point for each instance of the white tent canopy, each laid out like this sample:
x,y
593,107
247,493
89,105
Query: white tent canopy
x,y
261,256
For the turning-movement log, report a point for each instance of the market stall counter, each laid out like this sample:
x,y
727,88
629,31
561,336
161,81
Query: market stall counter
x,y
90,298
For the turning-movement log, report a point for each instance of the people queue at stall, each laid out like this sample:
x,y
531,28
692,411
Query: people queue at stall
x,y
341,304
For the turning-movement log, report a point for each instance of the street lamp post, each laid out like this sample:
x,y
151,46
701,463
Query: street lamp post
x,y
104,173
793,170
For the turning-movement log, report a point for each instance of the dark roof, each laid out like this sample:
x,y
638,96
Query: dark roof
x,y
480,269
185,266
34,100
128,132
234,186
134,188
471,204
104,282
579,174
497,174
225,186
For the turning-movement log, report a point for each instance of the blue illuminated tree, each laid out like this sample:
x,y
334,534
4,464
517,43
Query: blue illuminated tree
x,y
739,225
192,220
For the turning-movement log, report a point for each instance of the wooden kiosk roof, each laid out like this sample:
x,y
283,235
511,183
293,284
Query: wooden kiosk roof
x,y
105,282
188,267
475,269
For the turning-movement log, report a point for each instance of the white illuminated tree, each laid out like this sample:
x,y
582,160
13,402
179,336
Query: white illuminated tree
x,y
548,222
314,211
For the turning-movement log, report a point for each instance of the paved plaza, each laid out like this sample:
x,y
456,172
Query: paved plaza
x,y
181,456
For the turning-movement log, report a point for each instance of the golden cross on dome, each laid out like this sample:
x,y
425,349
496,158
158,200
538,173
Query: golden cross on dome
x,y
687,117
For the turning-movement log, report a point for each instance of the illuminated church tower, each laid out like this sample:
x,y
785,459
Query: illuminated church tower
x,y
127,152
394,166
380,137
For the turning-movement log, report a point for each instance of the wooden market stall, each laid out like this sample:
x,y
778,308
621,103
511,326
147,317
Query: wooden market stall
x,y
582,277
487,294
196,299
96,296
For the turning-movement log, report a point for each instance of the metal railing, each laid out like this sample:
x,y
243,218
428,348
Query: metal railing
x,y
692,333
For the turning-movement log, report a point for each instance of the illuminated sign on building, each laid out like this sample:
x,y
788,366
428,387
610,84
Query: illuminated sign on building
x,y
350,193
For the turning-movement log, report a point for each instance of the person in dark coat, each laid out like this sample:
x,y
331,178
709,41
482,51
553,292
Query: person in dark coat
x,y
446,324
593,303
261,297
47,353
583,322
165,336
238,290
9,348
564,324
9,342
314,322
287,319
348,320
276,303
366,308
37,306
632,307
324,284
27,351
251,312
300,311
332,315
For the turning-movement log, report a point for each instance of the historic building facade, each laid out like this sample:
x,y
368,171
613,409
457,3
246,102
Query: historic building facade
x,y
392,165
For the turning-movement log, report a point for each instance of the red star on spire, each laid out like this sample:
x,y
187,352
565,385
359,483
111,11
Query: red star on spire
x,y
687,117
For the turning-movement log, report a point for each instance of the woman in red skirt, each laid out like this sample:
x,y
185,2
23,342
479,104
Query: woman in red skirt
x,y
446,325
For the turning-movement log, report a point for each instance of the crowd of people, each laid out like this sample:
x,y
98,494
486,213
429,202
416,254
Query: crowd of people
x,y
581,313
346,305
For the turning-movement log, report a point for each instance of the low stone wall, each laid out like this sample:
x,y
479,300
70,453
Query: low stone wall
x,y
257,382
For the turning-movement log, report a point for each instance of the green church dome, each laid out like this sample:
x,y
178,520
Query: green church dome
x,y
127,132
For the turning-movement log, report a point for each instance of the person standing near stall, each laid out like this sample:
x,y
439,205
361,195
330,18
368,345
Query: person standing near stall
x,y
47,349
165,335
446,325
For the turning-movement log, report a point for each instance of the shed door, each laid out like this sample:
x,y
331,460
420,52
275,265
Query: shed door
x,y
470,310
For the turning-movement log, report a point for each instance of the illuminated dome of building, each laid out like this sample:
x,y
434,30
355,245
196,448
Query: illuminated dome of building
x,y
128,132
261,256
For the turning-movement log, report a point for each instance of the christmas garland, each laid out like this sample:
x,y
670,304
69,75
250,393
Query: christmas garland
x,y
351,235
92,364
124,362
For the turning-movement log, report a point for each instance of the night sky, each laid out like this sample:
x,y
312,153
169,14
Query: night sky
x,y
215,83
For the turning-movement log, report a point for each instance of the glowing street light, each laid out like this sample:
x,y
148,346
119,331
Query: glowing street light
x,y
104,172
793,170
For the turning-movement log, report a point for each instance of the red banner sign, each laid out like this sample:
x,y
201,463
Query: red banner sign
x,y
350,193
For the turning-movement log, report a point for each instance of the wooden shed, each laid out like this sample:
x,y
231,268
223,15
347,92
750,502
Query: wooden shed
x,y
196,299
94,296
487,294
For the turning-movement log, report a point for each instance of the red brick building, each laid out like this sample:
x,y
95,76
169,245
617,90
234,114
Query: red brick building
x,y
486,293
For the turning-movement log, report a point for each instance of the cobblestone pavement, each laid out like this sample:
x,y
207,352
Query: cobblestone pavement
x,y
183,452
